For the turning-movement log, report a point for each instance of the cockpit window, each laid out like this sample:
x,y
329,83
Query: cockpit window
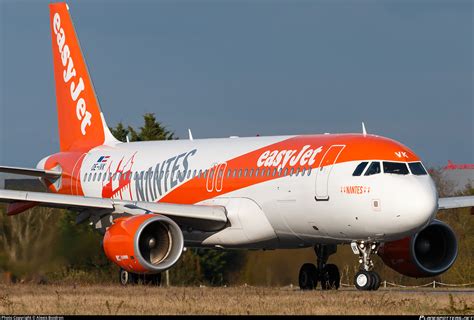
x,y
395,168
374,168
359,169
417,169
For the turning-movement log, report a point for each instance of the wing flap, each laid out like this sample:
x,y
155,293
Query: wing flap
x,y
200,217
455,202
31,172
55,200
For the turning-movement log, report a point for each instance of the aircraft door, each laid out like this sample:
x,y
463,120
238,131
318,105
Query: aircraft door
x,y
324,171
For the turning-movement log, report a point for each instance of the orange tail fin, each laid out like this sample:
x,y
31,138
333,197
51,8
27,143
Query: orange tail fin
x,y
81,123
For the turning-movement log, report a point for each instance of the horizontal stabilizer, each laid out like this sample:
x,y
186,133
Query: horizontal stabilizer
x,y
456,202
31,172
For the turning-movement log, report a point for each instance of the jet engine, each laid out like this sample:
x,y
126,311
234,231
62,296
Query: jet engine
x,y
148,243
428,253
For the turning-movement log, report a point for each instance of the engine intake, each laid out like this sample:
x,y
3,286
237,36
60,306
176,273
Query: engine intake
x,y
148,243
428,253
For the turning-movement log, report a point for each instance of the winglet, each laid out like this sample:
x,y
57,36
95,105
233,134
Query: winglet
x,y
190,135
363,129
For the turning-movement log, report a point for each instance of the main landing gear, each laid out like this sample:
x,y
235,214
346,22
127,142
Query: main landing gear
x,y
366,278
326,274
127,278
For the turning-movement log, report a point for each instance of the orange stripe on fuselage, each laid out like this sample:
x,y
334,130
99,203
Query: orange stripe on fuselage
x,y
357,148
297,152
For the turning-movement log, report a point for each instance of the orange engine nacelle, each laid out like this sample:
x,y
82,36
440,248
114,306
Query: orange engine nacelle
x,y
428,253
148,243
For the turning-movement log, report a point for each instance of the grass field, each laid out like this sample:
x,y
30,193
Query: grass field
x,y
100,299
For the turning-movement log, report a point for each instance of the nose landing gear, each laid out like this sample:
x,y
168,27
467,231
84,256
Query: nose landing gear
x,y
366,278
327,274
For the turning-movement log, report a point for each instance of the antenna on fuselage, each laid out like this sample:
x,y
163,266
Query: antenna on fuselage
x,y
190,135
364,132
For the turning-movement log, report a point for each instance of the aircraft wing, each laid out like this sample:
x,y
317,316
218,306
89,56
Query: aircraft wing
x,y
31,172
200,217
455,202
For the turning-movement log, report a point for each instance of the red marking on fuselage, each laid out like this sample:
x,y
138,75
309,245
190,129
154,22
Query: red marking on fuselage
x,y
108,191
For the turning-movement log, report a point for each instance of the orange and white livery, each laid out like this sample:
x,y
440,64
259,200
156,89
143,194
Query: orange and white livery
x,y
151,199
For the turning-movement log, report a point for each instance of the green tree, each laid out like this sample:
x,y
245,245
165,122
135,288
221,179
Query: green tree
x,y
219,265
120,132
151,130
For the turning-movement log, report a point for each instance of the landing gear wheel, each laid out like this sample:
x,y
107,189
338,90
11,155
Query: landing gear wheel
x,y
126,277
375,280
330,277
363,280
308,277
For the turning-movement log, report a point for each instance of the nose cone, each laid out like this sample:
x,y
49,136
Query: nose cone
x,y
416,204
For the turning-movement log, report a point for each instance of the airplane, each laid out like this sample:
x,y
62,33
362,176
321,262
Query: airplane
x,y
152,199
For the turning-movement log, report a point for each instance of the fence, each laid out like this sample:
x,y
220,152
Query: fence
x,y
432,284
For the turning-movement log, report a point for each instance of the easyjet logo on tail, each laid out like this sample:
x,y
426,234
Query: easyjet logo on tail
x,y
69,73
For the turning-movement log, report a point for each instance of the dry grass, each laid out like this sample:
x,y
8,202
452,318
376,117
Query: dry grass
x,y
95,299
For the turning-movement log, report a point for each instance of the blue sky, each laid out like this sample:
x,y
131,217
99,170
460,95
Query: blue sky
x,y
243,68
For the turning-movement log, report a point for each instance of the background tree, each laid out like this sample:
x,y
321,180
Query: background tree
x,y
151,130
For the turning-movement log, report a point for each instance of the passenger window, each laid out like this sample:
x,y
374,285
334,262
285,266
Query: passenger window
x,y
359,169
274,172
256,172
395,167
204,174
228,173
251,172
245,172
374,168
240,173
280,171
309,171
297,172
303,171
291,172
417,169
286,171
194,173
269,171
99,176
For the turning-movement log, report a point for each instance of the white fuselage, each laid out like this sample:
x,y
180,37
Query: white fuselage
x,y
317,199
